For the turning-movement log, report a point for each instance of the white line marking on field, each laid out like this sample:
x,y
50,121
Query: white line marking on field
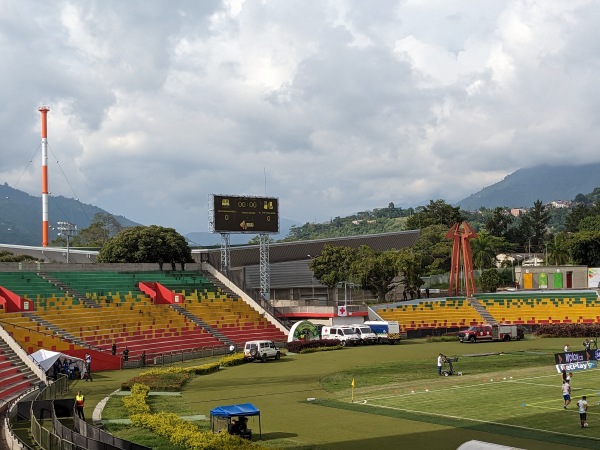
x,y
482,421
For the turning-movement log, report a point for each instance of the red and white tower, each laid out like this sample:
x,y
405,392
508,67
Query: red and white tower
x,y
44,111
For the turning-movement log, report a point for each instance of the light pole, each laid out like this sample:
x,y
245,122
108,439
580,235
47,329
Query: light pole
x,y
66,229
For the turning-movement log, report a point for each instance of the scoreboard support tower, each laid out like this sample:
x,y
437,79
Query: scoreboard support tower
x,y
225,254
265,274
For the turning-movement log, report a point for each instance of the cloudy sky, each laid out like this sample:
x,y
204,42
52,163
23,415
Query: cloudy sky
x,y
334,107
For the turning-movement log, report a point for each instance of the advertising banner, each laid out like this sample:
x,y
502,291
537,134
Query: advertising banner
x,y
579,360
543,280
594,277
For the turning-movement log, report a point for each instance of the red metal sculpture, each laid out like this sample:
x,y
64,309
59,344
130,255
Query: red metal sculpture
x,y
461,233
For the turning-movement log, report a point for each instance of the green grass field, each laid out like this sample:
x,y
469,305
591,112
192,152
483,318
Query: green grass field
x,y
399,400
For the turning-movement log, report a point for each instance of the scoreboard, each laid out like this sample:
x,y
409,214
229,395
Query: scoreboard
x,y
233,214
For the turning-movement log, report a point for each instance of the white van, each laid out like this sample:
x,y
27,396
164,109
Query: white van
x,y
344,333
365,334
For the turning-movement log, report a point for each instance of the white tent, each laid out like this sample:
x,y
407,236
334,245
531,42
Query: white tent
x,y
46,358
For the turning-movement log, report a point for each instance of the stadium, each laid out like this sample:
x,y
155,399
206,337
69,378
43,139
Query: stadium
x,y
167,318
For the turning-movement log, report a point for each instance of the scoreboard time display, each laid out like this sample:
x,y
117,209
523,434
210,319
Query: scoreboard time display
x,y
245,214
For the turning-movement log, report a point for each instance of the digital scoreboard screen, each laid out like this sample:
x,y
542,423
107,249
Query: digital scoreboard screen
x,y
245,214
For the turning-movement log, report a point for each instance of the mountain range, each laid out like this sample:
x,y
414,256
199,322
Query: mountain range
x,y
20,213
522,188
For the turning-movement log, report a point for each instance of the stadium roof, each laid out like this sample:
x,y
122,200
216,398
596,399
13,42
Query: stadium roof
x,y
53,254
249,255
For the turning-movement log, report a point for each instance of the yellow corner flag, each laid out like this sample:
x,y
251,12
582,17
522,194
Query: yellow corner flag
x,y
353,389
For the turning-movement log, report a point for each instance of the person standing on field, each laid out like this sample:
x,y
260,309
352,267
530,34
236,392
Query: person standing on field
x,y
583,406
566,391
440,362
79,404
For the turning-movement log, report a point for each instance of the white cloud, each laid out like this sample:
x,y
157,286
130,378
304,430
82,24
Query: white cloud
x,y
343,105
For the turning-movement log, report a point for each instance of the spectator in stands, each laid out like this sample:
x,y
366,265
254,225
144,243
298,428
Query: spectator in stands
x,y
143,359
232,349
88,367
79,404
404,296
114,348
126,354
65,366
427,292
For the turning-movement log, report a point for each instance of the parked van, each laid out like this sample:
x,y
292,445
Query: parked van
x,y
386,330
365,334
344,333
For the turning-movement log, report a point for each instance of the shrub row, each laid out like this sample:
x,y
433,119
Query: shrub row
x,y
169,378
313,345
178,431
568,330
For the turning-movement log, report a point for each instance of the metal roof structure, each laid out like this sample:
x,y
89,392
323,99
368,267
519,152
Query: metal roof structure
x,y
249,255
53,254
242,256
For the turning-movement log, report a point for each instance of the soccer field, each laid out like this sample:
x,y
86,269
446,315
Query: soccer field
x,y
518,402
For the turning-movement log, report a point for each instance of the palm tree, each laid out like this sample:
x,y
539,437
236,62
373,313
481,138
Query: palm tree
x,y
485,248
558,250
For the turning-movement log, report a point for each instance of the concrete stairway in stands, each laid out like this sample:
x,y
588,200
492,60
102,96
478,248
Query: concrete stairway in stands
x,y
68,290
15,376
58,331
487,317
202,324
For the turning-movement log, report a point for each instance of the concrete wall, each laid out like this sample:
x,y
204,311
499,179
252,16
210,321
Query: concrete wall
x,y
579,275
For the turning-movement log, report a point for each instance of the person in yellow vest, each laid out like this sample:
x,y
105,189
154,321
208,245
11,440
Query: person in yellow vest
x,y
79,404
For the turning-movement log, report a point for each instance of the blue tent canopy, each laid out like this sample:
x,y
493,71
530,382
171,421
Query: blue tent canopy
x,y
227,412
245,409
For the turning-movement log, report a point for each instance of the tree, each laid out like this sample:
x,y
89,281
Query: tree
x,y
436,213
489,280
6,256
435,249
103,227
332,266
153,244
533,225
577,214
585,248
498,223
485,248
590,223
558,250
411,267
375,271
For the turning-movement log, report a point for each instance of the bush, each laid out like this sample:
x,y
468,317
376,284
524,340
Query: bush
x,y
298,346
452,337
232,360
568,330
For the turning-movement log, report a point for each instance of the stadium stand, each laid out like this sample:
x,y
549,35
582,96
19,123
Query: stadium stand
x,y
431,314
536,308
124,315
